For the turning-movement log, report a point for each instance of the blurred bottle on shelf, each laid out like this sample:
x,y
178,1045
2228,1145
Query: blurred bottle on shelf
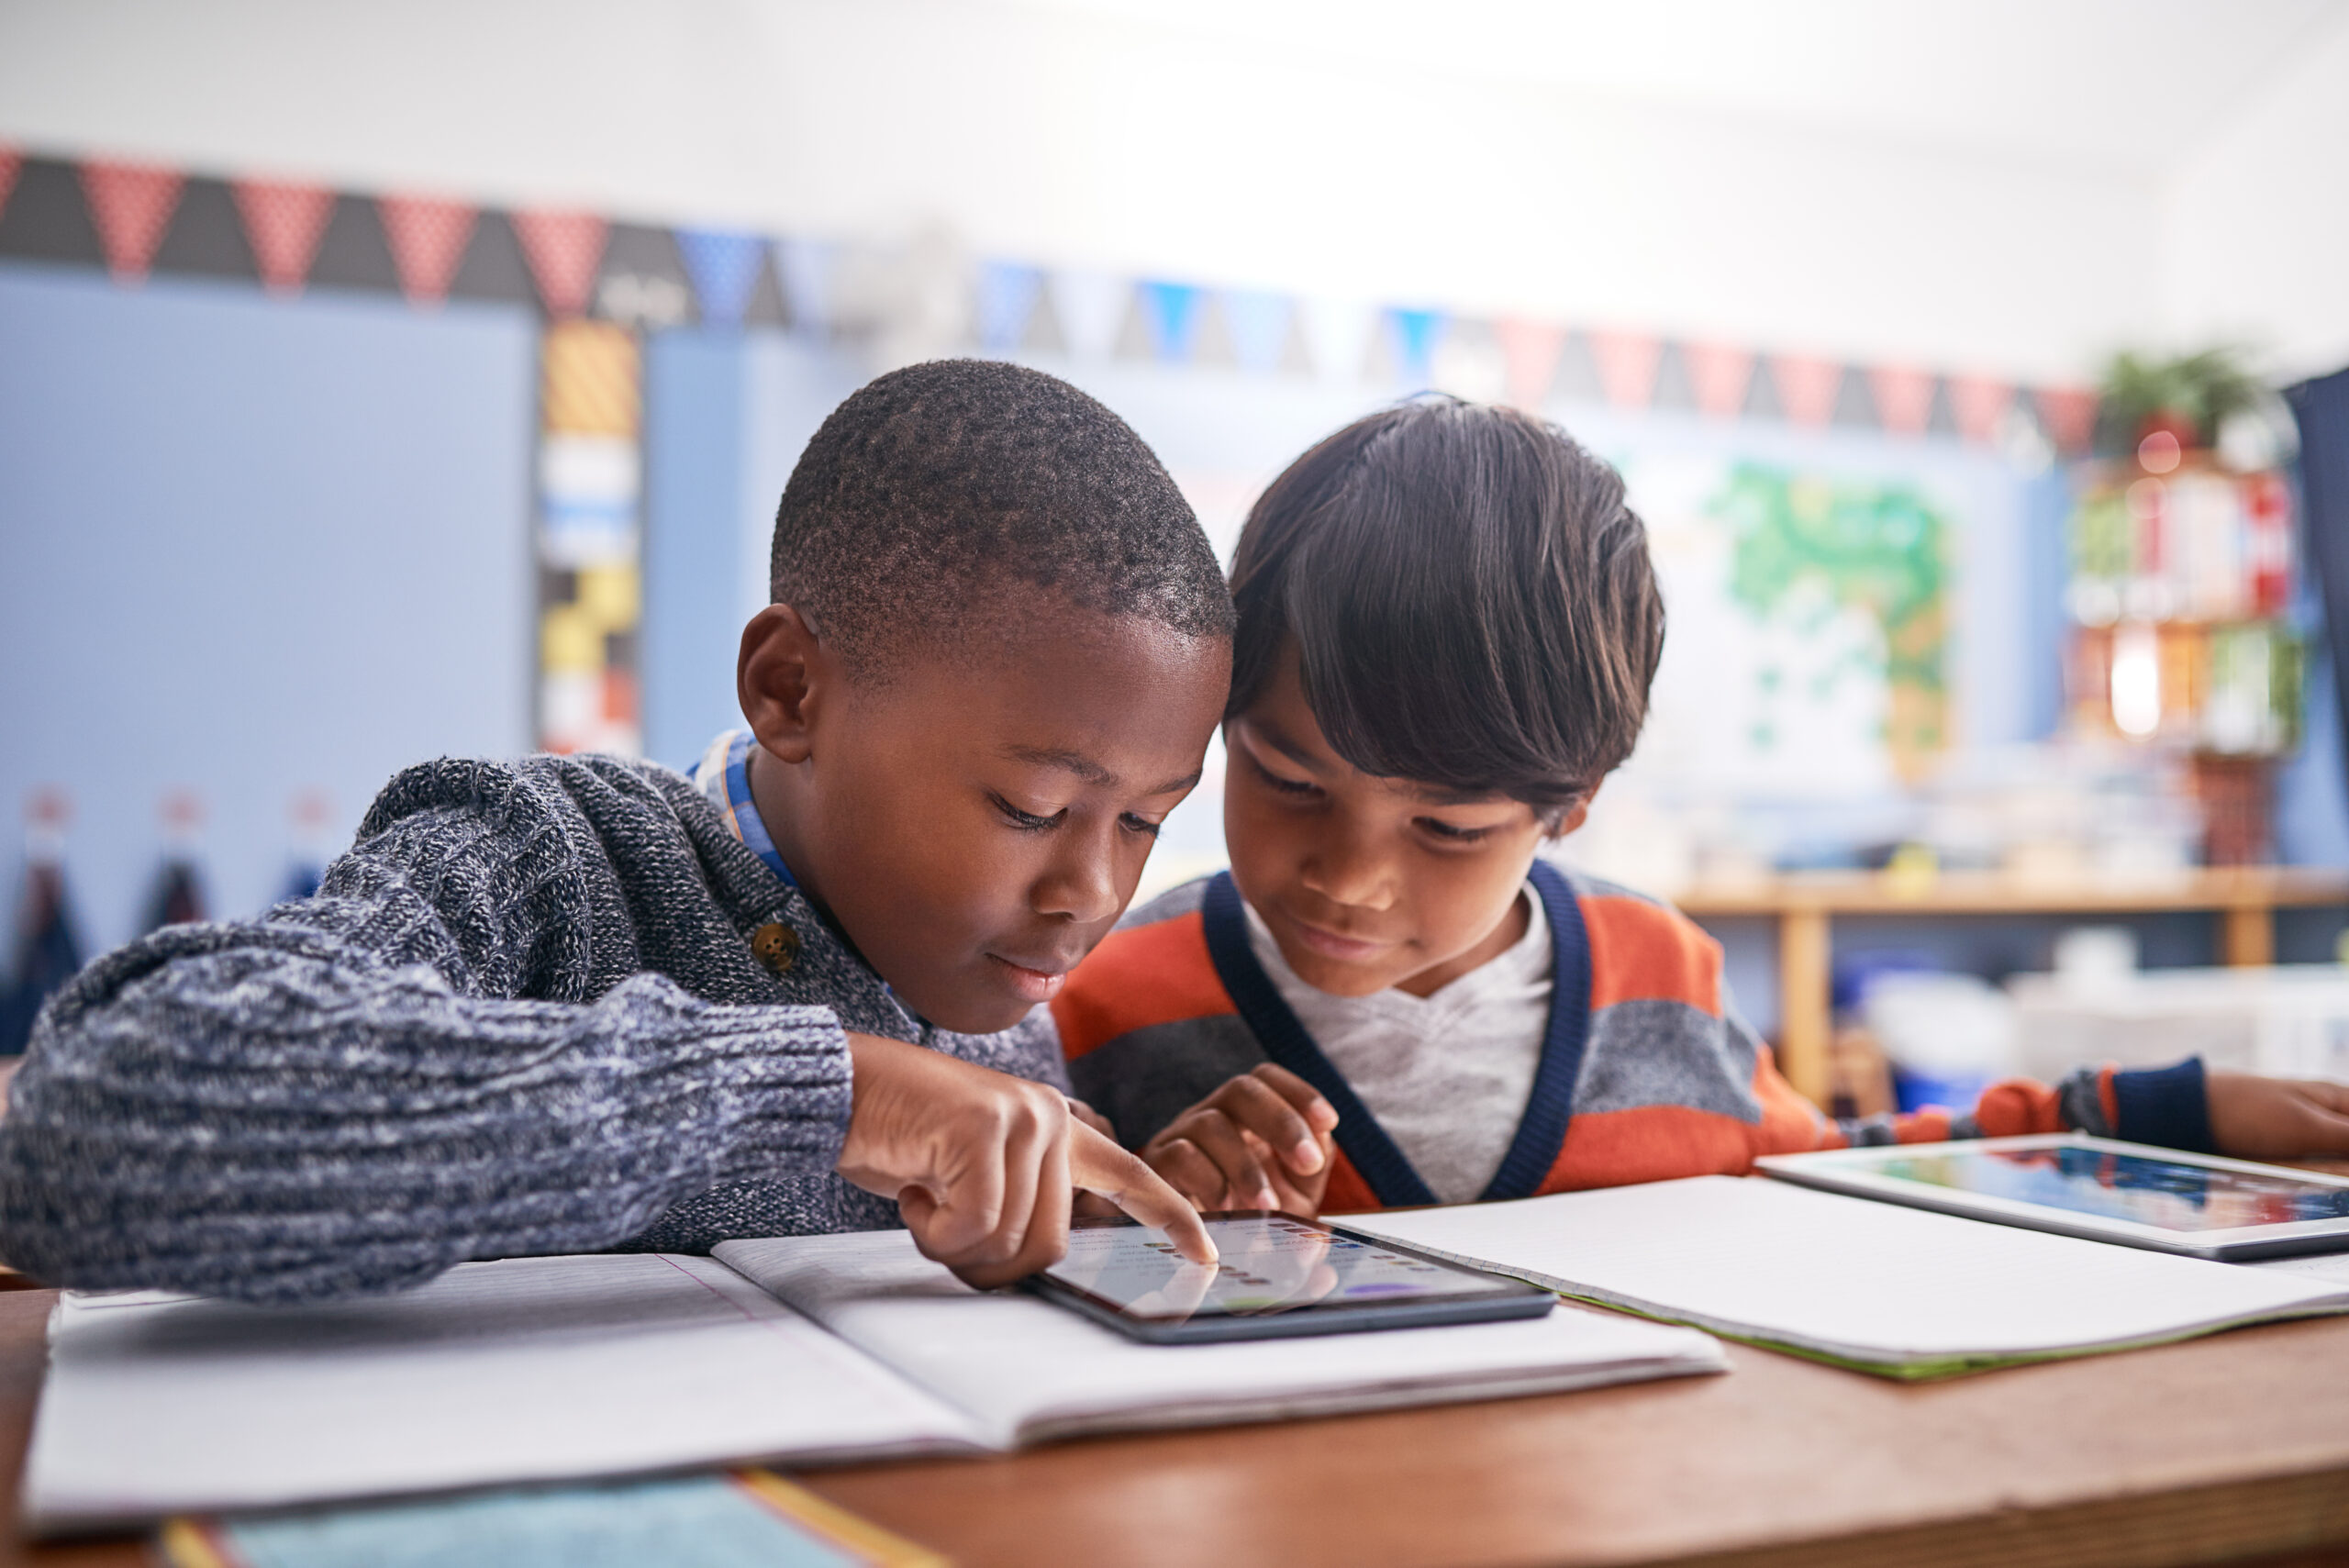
x,y
178,898
48,947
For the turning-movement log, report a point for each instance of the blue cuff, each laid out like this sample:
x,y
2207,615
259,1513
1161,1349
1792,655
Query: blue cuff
x,y
2164,1105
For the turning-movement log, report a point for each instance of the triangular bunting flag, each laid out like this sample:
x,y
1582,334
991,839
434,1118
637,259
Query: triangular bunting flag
x,y
1806,387
564,249
1627,363
428,236
1007,295
284,223
12,163
1979,401
725,269
1415,333
1171,312
131,204
1259,323
1338,332
1529,355
1092,308
1904,398
2069,414
805,268
1717,376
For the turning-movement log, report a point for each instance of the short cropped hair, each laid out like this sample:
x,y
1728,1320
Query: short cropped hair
x,y
1470,598
936,488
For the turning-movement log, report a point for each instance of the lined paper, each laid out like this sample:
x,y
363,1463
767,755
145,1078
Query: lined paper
x,y
1875,1283
531,1369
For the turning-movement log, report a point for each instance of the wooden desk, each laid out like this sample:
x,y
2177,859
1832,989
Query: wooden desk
x,y
2245,899
2229,1448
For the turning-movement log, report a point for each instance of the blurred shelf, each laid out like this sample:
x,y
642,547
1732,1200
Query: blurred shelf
x,y
1804,902
1995,892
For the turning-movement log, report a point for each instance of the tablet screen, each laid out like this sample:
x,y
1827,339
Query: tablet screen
x,y
2171,1193
1270,1264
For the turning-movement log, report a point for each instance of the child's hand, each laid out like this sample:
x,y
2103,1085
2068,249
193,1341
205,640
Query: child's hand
x,y
1262,1141
2277,1119
983,1164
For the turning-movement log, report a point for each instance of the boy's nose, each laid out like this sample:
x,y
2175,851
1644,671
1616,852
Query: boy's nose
x,y
1081,887
1345,870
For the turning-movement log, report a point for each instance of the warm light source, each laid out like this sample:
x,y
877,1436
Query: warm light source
x,y
2136,680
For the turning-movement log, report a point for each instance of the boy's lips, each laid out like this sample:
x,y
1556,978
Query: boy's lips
x,y
1035,983
1331,944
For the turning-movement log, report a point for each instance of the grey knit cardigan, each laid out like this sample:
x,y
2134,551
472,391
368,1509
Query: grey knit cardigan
x,y
521,1016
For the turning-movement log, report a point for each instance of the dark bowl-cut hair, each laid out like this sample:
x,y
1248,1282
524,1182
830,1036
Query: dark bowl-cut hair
x,y
1470,599
936,488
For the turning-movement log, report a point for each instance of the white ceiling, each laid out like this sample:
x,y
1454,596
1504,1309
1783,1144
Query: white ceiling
x,y
2120,86
2013,185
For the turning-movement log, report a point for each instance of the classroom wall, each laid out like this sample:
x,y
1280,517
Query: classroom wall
x,y
250,547
1221,156
2254,227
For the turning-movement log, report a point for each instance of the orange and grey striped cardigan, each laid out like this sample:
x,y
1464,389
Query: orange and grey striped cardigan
x,y
1645,1074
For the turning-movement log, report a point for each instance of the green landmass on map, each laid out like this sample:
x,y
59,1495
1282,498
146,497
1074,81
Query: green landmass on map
x,y
1878,548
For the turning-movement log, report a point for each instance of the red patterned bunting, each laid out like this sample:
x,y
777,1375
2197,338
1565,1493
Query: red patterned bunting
x,y
12,163
1627,364
1979,403
132,205
1530,352
1806,387
1904,398
1718,376
428,236
564,249
284,222
2069,414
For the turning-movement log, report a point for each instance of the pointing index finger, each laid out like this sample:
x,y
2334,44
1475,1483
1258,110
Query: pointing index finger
x,y
1100,1166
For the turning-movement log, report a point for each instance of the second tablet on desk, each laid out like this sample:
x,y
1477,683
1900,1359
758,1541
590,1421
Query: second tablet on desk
x,y
2097,1188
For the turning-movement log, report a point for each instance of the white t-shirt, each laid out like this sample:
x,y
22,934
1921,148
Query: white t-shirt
x,y
1446,1075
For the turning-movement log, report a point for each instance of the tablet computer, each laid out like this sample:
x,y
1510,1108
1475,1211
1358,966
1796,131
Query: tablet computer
x,y
2201,1204
1276,1275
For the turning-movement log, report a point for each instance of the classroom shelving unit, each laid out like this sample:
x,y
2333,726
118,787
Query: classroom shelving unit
x,y
1804,905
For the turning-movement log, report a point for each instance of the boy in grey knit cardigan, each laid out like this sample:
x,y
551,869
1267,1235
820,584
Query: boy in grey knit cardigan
x,y
565,1003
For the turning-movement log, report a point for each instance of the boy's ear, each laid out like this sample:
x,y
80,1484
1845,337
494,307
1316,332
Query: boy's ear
x,y
1576,815
783,675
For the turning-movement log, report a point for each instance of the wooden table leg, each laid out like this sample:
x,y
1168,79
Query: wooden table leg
x,y
2248,935
1805,1001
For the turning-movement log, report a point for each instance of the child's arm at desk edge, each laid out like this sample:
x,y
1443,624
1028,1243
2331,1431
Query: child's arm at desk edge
x,y
343,1097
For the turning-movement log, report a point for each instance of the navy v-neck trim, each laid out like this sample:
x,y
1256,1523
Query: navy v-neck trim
x,y
1393,1180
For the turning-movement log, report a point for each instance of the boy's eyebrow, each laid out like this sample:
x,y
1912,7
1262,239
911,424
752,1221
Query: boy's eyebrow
x,y
1086,768
1438,795
1273,736
1434,795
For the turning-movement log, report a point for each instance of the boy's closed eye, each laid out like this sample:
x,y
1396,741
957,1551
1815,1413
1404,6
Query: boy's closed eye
x,y
1038,822
1442,830
1280,782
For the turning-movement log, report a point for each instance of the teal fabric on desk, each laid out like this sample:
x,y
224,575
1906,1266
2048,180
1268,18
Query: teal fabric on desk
x,y
703,1521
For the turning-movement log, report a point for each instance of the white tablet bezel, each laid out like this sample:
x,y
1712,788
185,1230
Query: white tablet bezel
x,y
1847,1171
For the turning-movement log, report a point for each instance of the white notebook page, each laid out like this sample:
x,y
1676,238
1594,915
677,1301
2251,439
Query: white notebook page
x,y
1029,1370
536,1368
1869,1280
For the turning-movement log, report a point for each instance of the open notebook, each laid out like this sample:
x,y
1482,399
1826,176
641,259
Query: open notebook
x,y
1877,1287
804,1349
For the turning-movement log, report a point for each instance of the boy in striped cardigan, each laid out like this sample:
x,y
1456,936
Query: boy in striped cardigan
x,y
1448,626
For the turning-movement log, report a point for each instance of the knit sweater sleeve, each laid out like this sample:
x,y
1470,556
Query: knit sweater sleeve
x,y
412,1069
